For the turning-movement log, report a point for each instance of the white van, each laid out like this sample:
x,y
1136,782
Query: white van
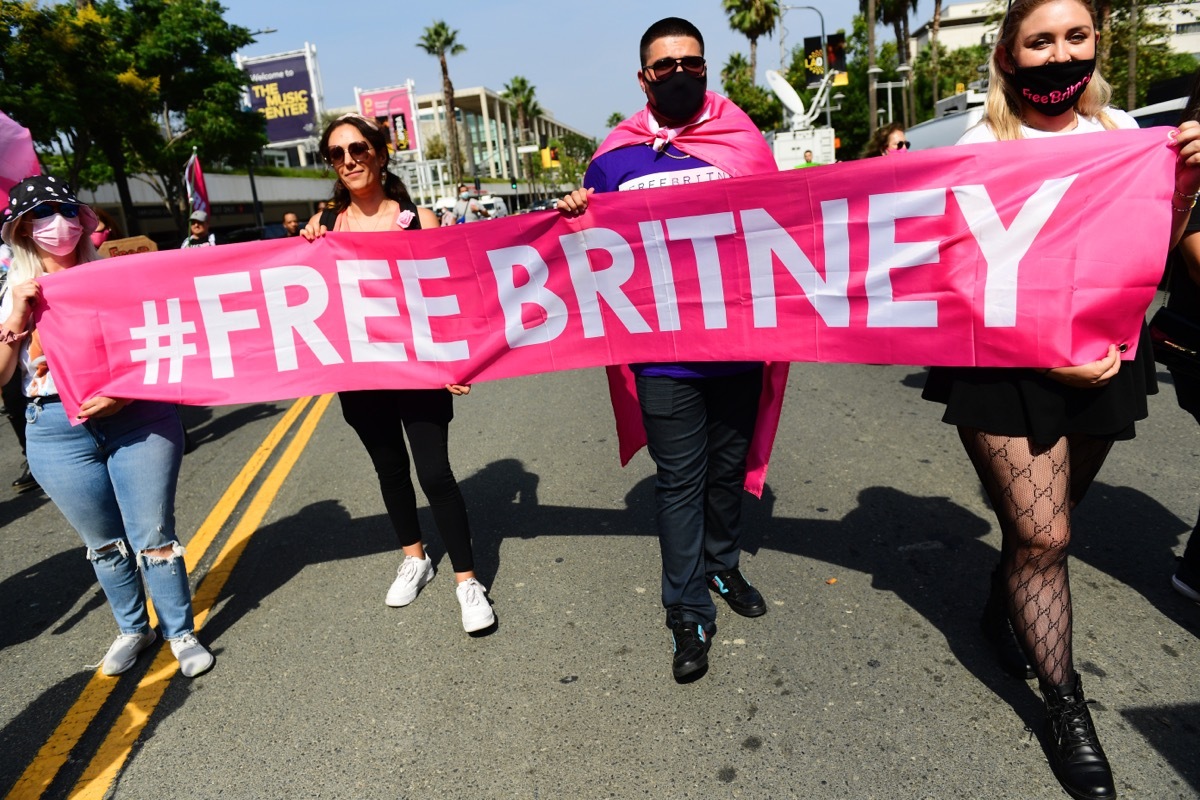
x,y
1165,113
942,131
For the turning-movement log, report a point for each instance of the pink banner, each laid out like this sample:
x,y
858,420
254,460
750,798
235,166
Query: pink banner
x,y
1029,253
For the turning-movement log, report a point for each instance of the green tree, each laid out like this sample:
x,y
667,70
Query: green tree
x,y
439,40
761,105
753,19
1135,30
615,119
132,88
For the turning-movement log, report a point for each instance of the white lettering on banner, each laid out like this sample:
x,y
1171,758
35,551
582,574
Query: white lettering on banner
x,y
682,177
662,278
1003,249
703,230
886,254
152,332
219,323
593,284
421,308
532,291
289,323
766,239
359,309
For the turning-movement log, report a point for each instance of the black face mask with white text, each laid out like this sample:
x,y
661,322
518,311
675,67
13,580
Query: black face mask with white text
x,y
1053,88
679,98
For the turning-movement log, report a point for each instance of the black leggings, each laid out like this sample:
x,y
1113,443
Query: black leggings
x,y
382,418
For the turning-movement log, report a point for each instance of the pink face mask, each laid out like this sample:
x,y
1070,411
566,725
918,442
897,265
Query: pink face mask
x,y
56,234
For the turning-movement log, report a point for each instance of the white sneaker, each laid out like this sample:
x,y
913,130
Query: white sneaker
x,y
124,651
476,610
412,576
193,657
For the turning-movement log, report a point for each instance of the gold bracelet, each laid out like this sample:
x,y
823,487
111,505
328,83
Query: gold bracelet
x,y
1183,209
1191,197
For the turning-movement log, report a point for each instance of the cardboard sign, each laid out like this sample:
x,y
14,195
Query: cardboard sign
x,y
123,247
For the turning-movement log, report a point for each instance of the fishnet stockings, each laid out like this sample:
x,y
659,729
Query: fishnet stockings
x,y
1033,489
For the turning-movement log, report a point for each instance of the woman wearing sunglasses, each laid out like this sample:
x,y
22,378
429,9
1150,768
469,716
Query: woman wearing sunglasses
x,y
885,141
367,198
1038,437
114,475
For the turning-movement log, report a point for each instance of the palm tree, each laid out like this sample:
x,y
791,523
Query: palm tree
x,y
520,92
752,19
439,40
895,13
872,100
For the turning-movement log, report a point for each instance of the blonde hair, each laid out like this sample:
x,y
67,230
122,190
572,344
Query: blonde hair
x,y
1002,110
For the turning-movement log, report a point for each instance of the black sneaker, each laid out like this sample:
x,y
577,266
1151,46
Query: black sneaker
x,y
1186,581
737,591
24,481
691,644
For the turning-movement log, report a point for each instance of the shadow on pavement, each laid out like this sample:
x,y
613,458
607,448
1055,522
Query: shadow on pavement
x,y
34,599
1131,537
17,742
204,428
1172,731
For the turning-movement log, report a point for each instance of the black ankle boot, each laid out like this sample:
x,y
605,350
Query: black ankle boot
x,y
998,629
1075,754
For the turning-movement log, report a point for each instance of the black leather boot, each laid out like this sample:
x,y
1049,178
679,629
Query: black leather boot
x,y
1075,754
998,629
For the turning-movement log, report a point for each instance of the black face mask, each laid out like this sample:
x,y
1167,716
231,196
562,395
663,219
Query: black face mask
x,y
679,98
1053,88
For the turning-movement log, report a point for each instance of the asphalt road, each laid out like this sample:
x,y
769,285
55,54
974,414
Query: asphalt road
x,y
873,685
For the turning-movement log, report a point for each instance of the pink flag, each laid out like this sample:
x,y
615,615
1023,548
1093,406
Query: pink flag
x,y
1032,253
193,179
18,160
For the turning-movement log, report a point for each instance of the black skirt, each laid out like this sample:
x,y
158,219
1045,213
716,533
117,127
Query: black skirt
x,y
1023,402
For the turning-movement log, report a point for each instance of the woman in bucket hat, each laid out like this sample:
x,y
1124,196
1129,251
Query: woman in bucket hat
x,y
114,475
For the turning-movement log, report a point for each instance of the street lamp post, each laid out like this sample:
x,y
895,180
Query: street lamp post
x,y
873,74
258,217
824,48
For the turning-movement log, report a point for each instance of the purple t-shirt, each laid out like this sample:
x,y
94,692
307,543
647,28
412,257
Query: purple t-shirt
x,y
640,167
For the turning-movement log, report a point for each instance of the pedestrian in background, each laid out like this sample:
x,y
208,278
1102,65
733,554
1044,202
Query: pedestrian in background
x,y
885,141
114,474
699,418
291,225
199,235
368,198
1038,437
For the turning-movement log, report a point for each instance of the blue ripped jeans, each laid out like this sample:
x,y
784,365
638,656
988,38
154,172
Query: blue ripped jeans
x,y
114,480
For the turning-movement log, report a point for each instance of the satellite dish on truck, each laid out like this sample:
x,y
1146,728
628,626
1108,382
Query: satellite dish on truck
x,y
787,95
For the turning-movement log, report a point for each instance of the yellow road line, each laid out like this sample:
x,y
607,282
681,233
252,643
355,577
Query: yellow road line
x,y
112,754
54,753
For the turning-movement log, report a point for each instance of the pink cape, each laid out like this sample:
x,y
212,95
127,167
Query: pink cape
x,y
726,138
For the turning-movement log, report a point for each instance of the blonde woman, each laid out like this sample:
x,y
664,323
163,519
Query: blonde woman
x,y
114,475
1038,437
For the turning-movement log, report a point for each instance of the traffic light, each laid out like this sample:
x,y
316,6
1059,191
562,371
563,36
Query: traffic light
x,y
512,184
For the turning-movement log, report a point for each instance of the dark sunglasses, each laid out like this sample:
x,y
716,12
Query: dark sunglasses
x,y
902,145
662,69
43,210
358,151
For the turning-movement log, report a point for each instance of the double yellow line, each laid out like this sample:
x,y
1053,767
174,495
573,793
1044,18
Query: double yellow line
x,y
113,752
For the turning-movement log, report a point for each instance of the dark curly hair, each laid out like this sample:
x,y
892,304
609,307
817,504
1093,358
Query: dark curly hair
x,y
376,136
879,140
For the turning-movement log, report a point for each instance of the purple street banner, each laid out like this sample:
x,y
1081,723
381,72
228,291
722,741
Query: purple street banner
x,y
280,89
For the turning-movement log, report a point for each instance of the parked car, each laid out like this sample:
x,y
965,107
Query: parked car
x,y
1165,113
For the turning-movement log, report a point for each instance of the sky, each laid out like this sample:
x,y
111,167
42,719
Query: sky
x,y
580,56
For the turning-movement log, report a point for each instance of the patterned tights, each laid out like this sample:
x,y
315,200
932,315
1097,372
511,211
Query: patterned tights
x,y
1033,489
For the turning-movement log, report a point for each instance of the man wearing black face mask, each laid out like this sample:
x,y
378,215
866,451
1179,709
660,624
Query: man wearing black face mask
x,y
699,418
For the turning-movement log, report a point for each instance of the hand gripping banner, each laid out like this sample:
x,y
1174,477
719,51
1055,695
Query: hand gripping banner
x,y
1029,253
